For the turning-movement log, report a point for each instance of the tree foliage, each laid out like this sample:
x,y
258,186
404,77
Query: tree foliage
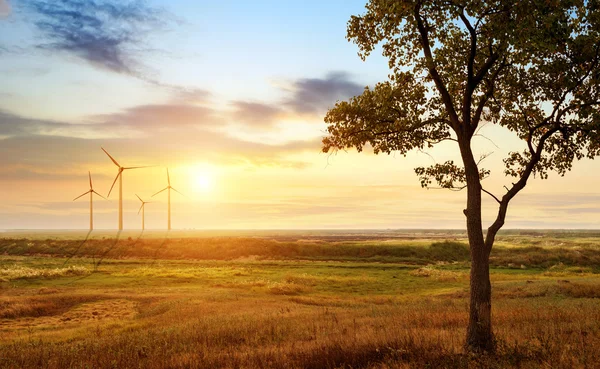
x,y
530,66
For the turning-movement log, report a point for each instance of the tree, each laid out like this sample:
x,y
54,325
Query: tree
x,y
529,66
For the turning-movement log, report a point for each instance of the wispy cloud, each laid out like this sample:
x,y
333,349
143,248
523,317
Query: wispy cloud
x,y
156,133
315,95
191,95
186,125
256,114
161,117
30,173
105,34
4,8
12,125
305,97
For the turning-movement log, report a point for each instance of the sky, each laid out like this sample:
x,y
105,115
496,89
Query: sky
x,y
230,96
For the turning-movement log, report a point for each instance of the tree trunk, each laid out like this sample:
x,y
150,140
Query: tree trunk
x,y
479,332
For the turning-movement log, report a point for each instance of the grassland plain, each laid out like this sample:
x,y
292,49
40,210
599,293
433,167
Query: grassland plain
x,y
293,300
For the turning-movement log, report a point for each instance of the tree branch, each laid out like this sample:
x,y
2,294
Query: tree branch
x,y
489,63
488,94
446,98
473,51
473,81
516,187
491,194
400,130
553,119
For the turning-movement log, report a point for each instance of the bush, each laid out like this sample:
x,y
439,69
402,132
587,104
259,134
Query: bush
x,y
449,251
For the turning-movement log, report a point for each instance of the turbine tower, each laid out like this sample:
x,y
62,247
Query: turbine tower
x,y
120,178
169,188
91,191
142,210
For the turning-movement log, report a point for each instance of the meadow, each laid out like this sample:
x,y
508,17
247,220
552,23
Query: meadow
x,y
292,299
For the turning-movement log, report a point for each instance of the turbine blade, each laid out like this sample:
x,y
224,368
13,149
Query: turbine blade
x,y
113,185
99,195
166,188
111,158
139,198
90,175
83,194
168,177
140,208
146,166
177,191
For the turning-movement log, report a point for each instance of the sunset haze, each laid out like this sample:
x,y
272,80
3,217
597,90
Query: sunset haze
x,y
230,96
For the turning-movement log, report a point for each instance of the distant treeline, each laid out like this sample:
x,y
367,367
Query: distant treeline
x,y
232,248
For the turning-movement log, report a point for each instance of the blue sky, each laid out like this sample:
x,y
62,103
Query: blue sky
x,y
227,92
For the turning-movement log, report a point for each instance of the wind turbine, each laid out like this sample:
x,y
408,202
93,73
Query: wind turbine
x,y
91,191
142,210
120,178
169,196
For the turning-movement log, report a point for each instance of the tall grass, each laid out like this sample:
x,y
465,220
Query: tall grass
x,y
16,271
280,333
228,302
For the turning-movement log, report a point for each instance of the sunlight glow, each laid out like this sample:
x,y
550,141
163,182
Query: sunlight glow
x,y
203,180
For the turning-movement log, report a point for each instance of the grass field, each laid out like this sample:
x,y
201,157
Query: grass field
x,y
292,300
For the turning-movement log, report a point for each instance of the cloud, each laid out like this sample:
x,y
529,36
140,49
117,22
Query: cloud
x,y
185,127
25,71
44,154
155,134
190,95
137,121
566,202
12,125
30,173
256,114
161,117
190,109
315,95
4,9
103,33
307,96
81,204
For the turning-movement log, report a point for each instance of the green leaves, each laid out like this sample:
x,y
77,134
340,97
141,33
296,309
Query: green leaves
x,y
447,175
390,117
530,66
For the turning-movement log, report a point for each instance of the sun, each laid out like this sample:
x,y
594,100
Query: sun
x,y
203,181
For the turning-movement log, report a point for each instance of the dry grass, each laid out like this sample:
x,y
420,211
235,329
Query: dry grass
x,y
245,312
21,272
287,288
561,270
280,332
312,280
46,304
564,288
440,274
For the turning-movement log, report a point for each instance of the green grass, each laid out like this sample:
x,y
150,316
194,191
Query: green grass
x,y
523,252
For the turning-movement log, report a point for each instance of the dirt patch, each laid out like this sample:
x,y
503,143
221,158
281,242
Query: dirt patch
x,y
99,311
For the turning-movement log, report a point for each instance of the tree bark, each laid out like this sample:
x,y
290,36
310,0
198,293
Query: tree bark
x,y
479,331
480,337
